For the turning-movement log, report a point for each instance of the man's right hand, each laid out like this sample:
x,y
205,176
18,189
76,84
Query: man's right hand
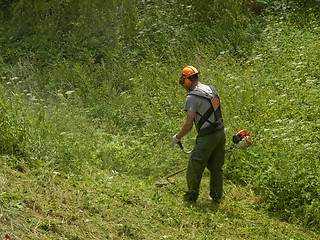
x,y
175,139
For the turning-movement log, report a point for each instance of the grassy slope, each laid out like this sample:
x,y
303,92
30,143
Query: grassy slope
x,y
63,193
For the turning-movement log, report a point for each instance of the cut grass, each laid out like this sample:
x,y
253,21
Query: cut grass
x,y
105,205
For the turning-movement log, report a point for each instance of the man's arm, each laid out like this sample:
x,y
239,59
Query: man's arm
x,y
187,125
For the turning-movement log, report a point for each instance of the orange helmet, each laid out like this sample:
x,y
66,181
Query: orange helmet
x,y
188,74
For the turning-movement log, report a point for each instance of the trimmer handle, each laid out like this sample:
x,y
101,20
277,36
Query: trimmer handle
x,y
180,144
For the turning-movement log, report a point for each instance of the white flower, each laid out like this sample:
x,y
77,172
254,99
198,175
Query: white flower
x,y
69,92
311,81
287,139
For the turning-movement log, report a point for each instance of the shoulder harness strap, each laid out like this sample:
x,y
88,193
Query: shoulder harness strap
x,y
214,105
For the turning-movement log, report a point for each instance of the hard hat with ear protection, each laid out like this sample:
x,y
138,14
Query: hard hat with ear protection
x,y
188,75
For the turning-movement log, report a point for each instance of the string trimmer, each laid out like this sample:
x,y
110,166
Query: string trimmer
x,y
241,140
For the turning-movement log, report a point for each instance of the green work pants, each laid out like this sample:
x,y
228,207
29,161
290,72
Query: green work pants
x,y
208,152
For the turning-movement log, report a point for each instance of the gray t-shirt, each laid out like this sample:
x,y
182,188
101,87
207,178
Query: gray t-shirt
x,y
199,105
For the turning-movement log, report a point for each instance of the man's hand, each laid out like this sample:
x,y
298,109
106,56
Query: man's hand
x,y
175,139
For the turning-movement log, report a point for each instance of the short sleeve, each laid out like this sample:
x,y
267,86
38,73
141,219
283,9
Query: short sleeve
x,y
191,103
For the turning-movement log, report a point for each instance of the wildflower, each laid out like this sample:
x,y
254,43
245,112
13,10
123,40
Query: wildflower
x,y
258,57
311,81
69,92
287,139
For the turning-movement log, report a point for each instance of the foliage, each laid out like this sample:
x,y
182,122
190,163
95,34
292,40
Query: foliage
x,y
87,112
73,29
278,104
13,125
37,136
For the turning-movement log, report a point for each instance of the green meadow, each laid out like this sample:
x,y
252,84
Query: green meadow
x,y
90,99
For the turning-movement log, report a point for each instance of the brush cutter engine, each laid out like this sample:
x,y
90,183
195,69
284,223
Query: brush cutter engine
x,y
242,139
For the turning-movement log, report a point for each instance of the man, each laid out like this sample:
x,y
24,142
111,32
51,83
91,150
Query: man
x,y
203,108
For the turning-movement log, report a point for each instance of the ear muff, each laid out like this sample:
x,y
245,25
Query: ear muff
x,y
185,81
